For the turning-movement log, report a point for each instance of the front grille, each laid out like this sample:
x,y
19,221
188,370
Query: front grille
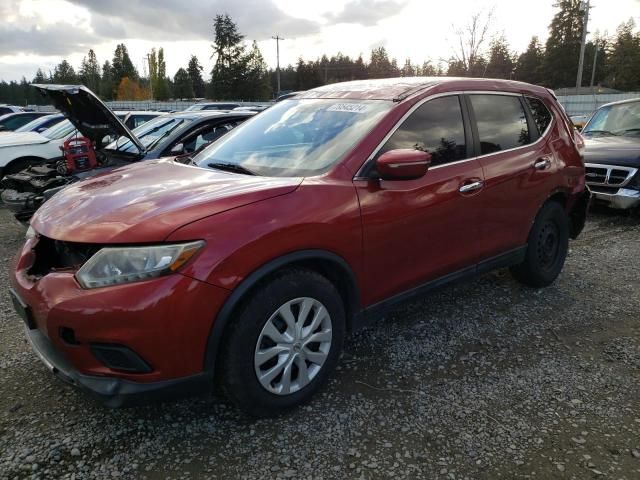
x,y
601,189
608,175
55,255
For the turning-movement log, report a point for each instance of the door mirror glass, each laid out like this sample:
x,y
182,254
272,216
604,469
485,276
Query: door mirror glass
x,y
178,149
403,164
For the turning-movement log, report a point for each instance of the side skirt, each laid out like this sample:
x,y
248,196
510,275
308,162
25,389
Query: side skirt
x,y
512,257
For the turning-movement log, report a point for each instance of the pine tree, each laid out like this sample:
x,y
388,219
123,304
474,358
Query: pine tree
x,y
562,50
161,90
182,86
107,85
624,61
529,64
64,74
228,51
255,81
500,63
122,66
90,72
194,71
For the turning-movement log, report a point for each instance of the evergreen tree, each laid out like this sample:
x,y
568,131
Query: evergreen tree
x,y
153,70
64,74
624,61
562,50
228,51
255,81
90,72
40,77
182,86
107,85
380,66
122,66
161,90
500,63
529,64
194,70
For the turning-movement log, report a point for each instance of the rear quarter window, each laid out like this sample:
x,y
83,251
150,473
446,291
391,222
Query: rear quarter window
x,y
540,112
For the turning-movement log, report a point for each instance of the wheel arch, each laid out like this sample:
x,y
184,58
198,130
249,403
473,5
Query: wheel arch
x,y
26,160
576,205
326,263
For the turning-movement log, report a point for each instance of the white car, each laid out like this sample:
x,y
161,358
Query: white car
x,y
18,150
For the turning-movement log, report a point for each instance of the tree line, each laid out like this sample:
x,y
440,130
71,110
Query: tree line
x,y
240,72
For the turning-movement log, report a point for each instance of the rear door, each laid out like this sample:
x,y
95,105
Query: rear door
x,y
417,230
518,166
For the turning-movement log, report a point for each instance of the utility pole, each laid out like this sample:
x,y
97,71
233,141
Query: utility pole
x,y
593,69
584,6
150,82
277,38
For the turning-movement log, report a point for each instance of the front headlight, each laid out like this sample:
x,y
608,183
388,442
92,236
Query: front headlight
x,y
115,265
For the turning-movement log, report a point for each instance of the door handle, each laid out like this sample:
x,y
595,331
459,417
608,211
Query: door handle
x,y
542,163
471,187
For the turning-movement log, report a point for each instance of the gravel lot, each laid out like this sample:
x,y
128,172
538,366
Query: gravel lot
x,y
485,379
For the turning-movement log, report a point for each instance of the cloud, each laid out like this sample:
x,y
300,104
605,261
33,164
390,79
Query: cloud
x,y
188,20
367,12
52,39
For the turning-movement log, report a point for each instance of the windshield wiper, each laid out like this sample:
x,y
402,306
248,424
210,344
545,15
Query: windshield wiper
x,y
231,167
604,132
629,130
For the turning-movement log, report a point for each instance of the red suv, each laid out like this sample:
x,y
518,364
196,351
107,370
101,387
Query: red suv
x,y
249,264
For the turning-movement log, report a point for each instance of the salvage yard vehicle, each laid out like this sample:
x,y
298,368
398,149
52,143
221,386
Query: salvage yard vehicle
x,y
13,121
4,109
41,124
159,135
247,265
612,154
212,106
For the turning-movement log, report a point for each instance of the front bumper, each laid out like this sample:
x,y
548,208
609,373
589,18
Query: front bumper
x,y
165,321
114,392
623,199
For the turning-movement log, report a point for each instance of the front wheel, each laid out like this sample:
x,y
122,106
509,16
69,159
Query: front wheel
x,y
284,343
547,247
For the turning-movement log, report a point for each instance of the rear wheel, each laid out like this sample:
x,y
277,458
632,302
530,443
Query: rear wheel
x,y
547,247
284,343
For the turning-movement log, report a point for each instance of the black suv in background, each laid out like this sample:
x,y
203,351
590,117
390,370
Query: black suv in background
x,y
612,154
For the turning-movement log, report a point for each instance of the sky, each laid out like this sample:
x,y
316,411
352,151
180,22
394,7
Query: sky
x,y
40,33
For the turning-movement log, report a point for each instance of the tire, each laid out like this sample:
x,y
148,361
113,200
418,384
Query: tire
x,y
547,247
252,347
20,164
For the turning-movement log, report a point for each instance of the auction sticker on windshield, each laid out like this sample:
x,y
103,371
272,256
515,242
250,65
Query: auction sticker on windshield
x,y
348,107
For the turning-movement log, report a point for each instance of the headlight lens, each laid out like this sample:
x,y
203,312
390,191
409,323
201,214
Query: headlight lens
x,y
116,265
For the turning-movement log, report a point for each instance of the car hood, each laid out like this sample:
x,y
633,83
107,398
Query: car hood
x,y
14,139
613,150
146,202
87,112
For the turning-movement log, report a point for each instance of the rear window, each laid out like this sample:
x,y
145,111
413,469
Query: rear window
x,y
502,123
541,114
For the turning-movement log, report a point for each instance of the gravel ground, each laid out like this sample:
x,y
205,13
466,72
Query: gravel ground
x,y
485,379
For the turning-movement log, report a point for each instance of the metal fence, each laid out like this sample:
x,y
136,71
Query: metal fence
x,y
587,104
573,104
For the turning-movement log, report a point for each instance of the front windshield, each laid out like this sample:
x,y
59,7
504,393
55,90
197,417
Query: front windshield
x,y
150,133
621,119
300,137
59,130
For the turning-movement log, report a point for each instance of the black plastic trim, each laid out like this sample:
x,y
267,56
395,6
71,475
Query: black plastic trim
x,y
134,362
512,257
225,314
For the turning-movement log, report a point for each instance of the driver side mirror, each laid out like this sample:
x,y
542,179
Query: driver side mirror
x,y
177,149
403,164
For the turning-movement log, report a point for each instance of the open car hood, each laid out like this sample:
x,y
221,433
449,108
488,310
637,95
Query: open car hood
x,y
88,113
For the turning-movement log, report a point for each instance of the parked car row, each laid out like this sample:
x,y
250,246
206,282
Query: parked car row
x,y
242,255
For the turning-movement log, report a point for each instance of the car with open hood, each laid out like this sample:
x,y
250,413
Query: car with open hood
x,y
159,135
247,265
612,154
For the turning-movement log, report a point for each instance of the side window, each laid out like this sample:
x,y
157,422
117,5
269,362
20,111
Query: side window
x,y
435,127
541,114
206,136
502,123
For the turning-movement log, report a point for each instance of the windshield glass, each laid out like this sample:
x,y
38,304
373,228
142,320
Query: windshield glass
x,y
296,137
149,133
32,125
59,130
621,119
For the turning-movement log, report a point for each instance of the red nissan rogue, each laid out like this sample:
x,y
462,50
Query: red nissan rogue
x,y
247,264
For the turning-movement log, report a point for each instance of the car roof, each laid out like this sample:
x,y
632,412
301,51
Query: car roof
x,y
397,89
620,102
203,114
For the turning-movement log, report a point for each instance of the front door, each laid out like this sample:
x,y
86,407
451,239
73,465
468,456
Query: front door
x,y
417,230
